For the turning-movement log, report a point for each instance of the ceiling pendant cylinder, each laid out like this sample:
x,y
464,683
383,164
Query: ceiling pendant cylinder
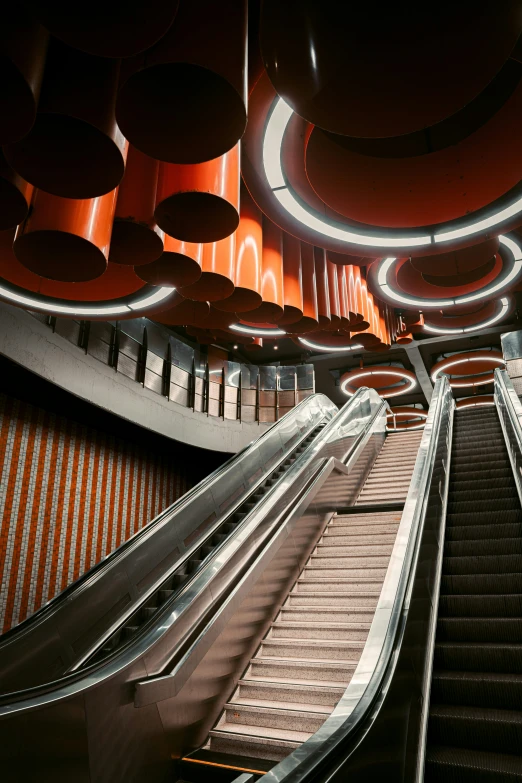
x,y
199,202
179,265
66,239
184,100
75,148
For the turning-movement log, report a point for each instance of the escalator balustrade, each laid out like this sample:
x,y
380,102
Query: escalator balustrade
x,y
177,580
475,719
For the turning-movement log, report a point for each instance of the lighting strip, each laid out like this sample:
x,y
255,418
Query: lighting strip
x,y
257,332
272,147
397,374
466,330
33,302
329,348
410,414
444,368
473,404
481,225
398,297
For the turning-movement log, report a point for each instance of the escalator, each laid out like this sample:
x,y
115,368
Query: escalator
x,y
360,620
130,667
475,716
436,693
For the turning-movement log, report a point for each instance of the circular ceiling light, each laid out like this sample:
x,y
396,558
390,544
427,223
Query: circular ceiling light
x,y
473,368
381,274
329,348
130,308
475,402
452,231
379,378
406,418
499,315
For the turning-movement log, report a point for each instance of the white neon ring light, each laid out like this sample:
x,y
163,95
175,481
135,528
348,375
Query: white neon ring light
x,y
397,297
396,373
329,348
467,329
472,404
276,126
494,359
414,413
34,303
257,332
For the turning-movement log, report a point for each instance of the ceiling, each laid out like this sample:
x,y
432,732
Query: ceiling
x,y
262,174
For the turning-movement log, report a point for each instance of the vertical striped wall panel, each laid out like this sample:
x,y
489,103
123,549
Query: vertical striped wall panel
x,y
69,495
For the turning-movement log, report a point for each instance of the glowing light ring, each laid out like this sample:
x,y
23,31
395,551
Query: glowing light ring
x,y
128,308
443,366
329,348
411,415
474,402
257,332
397,297
387,391
275,128
467,329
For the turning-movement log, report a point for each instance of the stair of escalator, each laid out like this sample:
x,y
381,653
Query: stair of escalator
x,y
475,720
175,581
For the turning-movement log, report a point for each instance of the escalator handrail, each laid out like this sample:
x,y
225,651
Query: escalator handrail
x,y
146,531
506,399
79,680
382,643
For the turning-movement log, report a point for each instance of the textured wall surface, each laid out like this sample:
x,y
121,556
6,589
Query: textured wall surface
x,y
69,495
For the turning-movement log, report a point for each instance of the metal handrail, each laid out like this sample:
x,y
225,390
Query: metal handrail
x,y
380,653
146,531
509,410
94,675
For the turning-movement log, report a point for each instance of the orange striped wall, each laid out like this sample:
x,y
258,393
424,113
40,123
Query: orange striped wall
x,y
69,495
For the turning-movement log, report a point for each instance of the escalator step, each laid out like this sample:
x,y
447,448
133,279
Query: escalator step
x,y
483,546
492,485
477,532
459,765
476,727
484,629
485,517
479,689
164,595
499,564
480,605
481,584
478,657
511,503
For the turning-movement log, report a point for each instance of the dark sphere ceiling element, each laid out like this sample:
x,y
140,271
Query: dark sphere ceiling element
x,y
114,29
366,72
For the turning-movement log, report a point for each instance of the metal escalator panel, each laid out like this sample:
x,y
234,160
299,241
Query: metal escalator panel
x,y
475,710
376,731
67,632
158,692
161,692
